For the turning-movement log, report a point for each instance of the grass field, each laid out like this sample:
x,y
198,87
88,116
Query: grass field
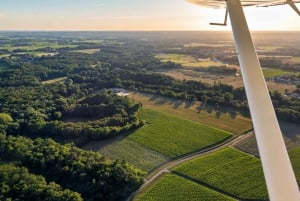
x,y
229,170
269,72
173,136
176,58
208,45
36,45
61,79
188,61
134,153
203,64
294,156
219,118
173,188
88,51
295,59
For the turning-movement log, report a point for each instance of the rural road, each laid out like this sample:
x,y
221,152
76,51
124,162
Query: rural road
x,y
165,168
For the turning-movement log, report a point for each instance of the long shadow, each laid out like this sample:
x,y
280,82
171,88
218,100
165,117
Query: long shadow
x,y
290,130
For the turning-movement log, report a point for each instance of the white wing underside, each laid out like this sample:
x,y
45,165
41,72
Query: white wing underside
x,y
259,3
279,175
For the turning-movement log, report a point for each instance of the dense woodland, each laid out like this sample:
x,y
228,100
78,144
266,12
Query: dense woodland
x,y
82,106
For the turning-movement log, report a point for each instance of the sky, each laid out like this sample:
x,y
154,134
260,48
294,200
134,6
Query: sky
x,y
132,15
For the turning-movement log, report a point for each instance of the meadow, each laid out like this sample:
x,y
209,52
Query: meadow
x,y
221,118
173,188
88,51
188,61
36,45
269,72
295,159
173,136
230,171
134,153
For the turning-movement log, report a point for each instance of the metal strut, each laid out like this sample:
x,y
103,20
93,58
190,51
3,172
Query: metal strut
x,y
225,20
279,175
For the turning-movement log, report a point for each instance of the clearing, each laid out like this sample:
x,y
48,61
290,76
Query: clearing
x,y
56,80
230,171
173,136
88,51
222,118
171,187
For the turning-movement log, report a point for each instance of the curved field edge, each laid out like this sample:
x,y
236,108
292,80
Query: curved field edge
x,y
171,187
173,136
228,170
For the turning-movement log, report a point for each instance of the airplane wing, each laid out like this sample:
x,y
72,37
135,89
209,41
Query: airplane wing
x,y
278,171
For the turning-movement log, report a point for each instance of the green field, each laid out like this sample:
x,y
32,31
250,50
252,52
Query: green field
x,y
36,45
269,72
88,51
60,79
228,170
294,156
134,153
222,119
173,188
295,59
176,58
173,136
188,61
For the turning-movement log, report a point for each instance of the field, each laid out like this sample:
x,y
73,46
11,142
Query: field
x,y
269,72
295,59
294,155
61,79
88,51
228,170
291,134
230,80
176,58
208,45
173,188
36,45
173,136
134,153
188,61
215,117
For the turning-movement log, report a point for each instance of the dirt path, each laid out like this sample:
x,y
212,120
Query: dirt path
x,y
166,168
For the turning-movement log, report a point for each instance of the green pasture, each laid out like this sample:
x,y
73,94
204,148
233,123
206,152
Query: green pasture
x,y
270,72
56,80
173,136
37,45
295,159
188,61
228,170
134,153
176,58
203,64
225,119
295,59
173,188
88,51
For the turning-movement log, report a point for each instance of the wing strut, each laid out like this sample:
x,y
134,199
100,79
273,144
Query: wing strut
x,y
293,5
225,20
279,175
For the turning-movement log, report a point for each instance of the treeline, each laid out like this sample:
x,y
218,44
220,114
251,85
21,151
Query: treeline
x,y
286,109
217,94
85,172
16,183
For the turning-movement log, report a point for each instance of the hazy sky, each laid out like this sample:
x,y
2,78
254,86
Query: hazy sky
x,y
132,15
